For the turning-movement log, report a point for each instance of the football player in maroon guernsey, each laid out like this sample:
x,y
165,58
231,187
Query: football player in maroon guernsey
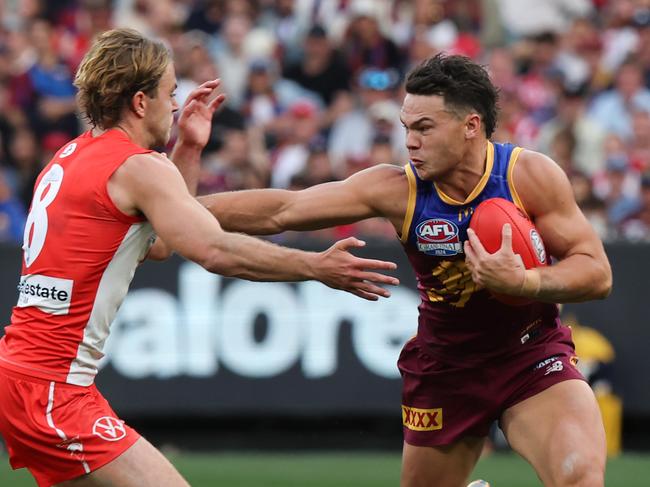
x,y
475,359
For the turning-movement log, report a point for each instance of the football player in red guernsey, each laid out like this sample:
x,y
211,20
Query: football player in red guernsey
x,y
474,359
95,210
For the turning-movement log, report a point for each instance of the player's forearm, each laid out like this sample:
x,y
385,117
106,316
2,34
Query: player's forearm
x,y
256,212
574,279
250,258
187,158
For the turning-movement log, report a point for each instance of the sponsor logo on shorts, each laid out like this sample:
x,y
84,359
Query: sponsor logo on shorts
x,y
109,429
556,366
538,245
544,363
422,419
574,360
49,294
439,237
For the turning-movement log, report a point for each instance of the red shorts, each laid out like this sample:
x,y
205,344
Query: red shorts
x,y
58,431
442,403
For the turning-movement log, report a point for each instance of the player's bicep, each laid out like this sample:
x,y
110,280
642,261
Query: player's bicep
x,y
159,192
334,203
566,232
379,191
548,197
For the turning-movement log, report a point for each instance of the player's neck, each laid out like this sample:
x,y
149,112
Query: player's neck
x,y
136,136
466,175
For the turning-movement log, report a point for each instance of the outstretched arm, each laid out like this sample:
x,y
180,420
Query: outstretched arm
x,y
582,271
188,228
380,191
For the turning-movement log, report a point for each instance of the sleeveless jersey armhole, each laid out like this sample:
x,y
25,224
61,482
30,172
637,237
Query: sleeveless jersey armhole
x,y
514,156
410,208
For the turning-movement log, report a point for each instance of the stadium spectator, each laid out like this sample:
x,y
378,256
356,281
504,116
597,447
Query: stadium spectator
x,y
621,202
27,159
300,131
46,85
613,109
12,214
320,68
639,147
636,227
232,58
586,153
364,44
353,132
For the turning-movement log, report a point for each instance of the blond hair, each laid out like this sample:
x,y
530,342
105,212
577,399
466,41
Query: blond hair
x,y
120,63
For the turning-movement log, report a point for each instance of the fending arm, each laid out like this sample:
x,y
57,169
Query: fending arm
x,y
380,191
188,228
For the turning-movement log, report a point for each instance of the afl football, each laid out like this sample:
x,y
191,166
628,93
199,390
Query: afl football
x,y
487,222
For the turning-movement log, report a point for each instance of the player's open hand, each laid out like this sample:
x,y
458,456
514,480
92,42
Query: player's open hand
x,y
339,269
195,120
502,271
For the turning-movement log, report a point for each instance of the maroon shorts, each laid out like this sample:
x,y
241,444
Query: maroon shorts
x,y
442,403
58,431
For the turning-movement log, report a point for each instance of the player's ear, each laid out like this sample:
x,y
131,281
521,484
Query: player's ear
x,y
472,125
139,103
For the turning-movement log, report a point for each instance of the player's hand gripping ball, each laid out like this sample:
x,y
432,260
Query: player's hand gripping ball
x,y
487,222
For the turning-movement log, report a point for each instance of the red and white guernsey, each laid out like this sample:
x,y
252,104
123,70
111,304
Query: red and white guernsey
x,y
79,255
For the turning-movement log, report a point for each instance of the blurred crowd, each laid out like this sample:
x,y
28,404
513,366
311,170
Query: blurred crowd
x,y
314,88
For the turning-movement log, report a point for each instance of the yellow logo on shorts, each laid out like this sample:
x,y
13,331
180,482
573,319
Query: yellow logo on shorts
x,y
422,419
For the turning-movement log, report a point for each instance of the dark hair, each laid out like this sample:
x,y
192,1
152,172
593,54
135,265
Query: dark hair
x,y
463,84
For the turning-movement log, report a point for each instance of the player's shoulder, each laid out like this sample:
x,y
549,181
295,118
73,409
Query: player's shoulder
x,y
380,179
147,164
536,170
539,180
146,168
382,172
149,158
536,164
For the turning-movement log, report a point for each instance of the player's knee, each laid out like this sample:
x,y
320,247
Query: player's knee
x,y
577,471
585,478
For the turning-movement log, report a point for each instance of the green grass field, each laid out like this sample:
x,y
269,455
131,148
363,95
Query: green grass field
x,y
346,470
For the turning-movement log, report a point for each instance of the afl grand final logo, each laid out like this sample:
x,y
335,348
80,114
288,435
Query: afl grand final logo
x,y
538,245
438,237
109,429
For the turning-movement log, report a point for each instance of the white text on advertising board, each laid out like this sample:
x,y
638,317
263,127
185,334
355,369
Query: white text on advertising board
x,y
157,334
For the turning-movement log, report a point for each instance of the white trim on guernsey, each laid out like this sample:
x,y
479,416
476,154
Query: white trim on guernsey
x,y
62,435
113,286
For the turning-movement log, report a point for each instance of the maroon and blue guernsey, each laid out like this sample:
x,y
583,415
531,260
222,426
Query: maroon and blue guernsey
x,y
459,324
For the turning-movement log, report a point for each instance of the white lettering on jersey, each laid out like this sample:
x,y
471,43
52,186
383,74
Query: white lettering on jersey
x,y
49,294
37,221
